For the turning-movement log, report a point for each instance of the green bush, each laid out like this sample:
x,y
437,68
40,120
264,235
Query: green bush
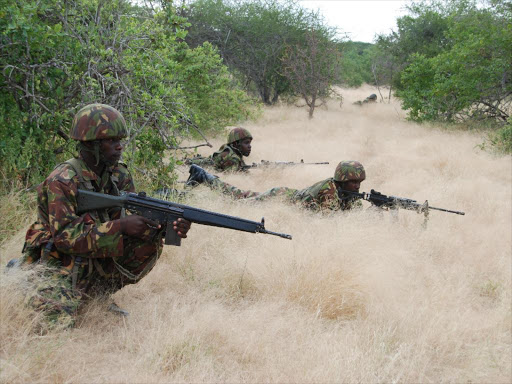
x,y
466,75
63,55
501,140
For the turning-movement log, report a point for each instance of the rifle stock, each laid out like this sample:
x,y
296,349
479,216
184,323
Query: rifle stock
x,y
166,212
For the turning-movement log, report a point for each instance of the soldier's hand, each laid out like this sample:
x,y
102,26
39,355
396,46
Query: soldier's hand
x,y
181,226
138,226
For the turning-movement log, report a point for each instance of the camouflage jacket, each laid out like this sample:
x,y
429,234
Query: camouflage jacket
x,y
228,159
323,196
93,234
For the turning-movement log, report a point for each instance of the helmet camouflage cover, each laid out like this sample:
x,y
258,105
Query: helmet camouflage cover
x,y
96,122
238,133
349,170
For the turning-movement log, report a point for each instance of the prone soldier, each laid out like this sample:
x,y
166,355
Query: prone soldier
x,y
370,99
95,252
229,157
324,195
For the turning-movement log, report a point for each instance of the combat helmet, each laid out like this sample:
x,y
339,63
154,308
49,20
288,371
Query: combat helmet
x,y
349,170
96,122
237,134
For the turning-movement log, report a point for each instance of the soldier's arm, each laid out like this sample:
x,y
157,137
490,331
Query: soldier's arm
x,y
124,184
79,234
328,197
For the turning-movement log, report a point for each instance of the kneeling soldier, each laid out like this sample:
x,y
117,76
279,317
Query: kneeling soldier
x,y
95,252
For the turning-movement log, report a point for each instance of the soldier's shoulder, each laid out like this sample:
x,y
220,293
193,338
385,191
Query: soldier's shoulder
x,y
313,190
227,151
121,170
121,166
324,184
64,172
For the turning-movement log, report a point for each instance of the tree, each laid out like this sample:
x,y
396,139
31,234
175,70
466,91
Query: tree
x,y
355,66
470,80
252,37
312,68
60,55
384,64
421,32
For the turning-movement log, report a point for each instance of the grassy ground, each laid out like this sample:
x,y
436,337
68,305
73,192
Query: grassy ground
x,y
354,297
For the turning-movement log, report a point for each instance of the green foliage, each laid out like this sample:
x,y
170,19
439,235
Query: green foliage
x,y
421,33
500,140
312,68
450,61
471,79
60,55
252,37
356,63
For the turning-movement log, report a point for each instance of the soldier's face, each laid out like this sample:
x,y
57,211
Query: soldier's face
x,y
351,185
244,146
111,150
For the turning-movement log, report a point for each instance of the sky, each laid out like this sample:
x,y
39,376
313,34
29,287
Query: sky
x,y
360,19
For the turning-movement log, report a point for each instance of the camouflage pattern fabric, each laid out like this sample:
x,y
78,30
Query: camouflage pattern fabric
x,y
98,121
87,248
237,134
226,159
321,196
349,170
201,161
370,99
55,297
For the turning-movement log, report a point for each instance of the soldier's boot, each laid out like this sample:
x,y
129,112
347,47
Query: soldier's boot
x,y
198,175
12,264
117,310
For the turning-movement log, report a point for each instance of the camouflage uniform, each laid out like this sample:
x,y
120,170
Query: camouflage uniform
x,y
321,196
370,99
87,253
227,158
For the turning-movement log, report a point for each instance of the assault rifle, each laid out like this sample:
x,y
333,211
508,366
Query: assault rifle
x,y
266,163
393,202
166,212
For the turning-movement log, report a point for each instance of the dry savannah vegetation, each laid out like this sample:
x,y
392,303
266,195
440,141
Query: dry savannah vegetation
x,y
354,297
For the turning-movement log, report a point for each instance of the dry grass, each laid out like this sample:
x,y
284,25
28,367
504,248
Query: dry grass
x,y
16,211
354,297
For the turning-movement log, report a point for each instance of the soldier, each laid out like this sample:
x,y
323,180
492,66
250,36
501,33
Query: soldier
x,y
324,195
95,252
229,157
370,99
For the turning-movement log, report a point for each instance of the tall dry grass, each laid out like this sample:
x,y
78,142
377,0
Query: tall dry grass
x,y
354,297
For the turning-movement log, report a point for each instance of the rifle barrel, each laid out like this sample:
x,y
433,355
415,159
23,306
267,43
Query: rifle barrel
x,y
447,210
283,235
376,197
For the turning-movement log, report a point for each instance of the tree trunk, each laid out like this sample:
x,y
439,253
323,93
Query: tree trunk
x,y
275,97
264,94
312,106
374,71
